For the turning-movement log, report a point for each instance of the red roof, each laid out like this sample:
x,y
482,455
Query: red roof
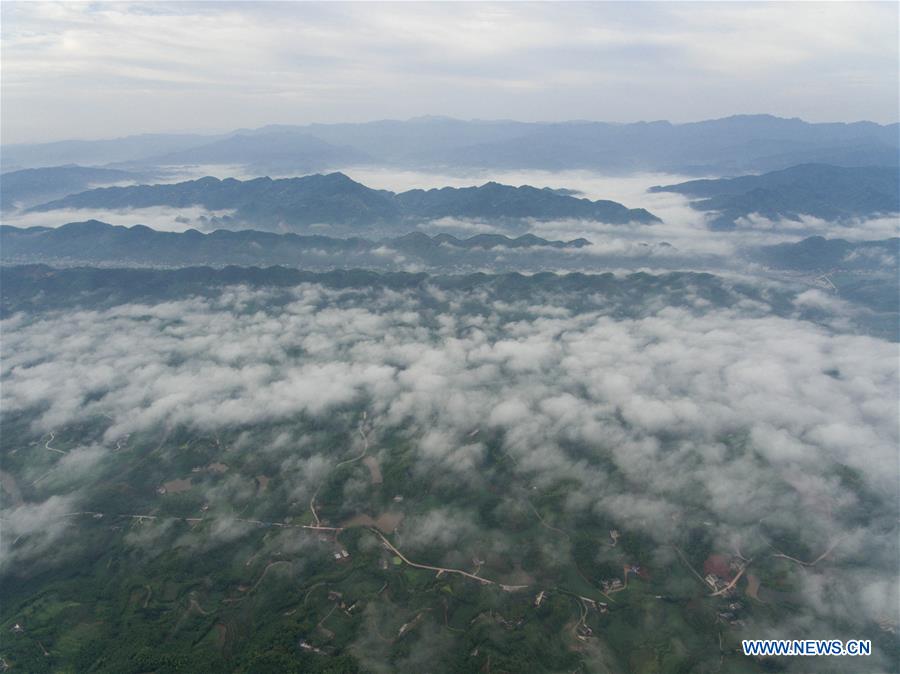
x,y
718,565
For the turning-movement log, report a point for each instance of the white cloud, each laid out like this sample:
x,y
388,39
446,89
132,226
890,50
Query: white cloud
x,y
734,411
127,67
160,218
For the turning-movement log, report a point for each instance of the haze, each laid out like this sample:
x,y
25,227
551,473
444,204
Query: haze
x,y
88,70
449,338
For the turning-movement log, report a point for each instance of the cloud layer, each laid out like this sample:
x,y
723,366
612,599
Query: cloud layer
x,y
726,414
90,70
380,346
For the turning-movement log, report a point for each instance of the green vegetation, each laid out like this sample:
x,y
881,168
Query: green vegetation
x,y
219,593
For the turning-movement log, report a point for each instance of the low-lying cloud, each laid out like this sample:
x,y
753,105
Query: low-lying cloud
x,y
731,412
162,218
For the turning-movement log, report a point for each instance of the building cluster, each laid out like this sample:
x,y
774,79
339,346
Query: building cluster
x,y
510,623
715,583
306,646
732,613
612,585
601,606
887,624
338,599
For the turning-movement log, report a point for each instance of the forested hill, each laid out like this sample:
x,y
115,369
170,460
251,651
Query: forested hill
x,y
834,193
336,199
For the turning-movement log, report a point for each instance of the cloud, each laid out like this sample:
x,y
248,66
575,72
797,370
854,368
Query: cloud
x,y
682,241
32,529
127,67
691,244
655,420
161,218
854,229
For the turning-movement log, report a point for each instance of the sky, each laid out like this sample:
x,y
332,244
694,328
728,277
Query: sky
x,y
100,70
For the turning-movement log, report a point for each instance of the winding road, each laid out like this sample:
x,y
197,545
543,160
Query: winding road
x,y
441,569
53,449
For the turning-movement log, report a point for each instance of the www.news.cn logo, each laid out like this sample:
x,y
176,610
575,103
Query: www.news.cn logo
x,y
791,647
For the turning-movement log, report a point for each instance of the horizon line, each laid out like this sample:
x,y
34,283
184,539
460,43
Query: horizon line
x,y
436,118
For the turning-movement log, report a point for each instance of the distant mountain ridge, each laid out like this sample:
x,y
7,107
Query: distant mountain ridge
x,y
834,193
32,186
98,152
269,152
742,143
818,254
336,199
97,242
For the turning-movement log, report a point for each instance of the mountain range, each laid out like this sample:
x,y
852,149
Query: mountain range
x,y
818,254
269,152
834,193
334,198
94,242
742,143
27,286
29,187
